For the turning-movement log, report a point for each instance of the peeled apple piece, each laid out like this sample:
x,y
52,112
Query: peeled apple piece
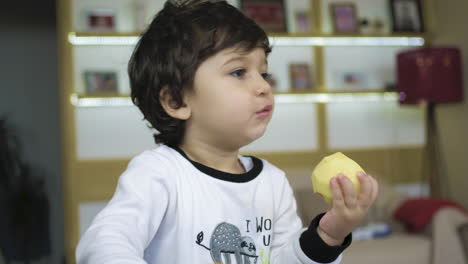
x,y
330,167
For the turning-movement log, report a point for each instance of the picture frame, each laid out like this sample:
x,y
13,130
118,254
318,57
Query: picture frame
x,y
100,20
268,14
352,81
407,16
100,82
300,76
302,21
344,18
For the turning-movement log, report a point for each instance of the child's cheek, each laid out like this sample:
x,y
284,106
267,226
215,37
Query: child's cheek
x,y
237,106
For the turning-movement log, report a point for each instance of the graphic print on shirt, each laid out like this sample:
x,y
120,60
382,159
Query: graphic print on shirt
x,y
226,240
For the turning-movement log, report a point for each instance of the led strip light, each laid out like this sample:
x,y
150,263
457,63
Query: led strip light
x,y
279,98
275,41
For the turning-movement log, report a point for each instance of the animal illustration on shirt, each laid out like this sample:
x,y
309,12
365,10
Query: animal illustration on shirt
x,y
226,240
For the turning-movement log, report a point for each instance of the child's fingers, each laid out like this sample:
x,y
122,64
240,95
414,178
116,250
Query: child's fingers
x,y
338,201
375,188
365,197
349,192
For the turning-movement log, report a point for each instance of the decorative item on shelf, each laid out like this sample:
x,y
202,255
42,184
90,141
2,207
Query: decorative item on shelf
x,y
430,76
100,20
100,82
269,14
344,17
364,26
377,26
300,77
302,21
352,81
407,16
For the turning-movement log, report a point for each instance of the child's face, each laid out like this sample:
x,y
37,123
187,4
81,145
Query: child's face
x,y
231,103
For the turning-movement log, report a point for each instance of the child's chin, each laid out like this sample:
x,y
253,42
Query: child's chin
x,y
252,135
257,135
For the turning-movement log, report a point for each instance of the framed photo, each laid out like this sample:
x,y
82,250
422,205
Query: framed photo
x,y
100,20
269,14
407,16
302,21
100,82
344,18
352,81
300,76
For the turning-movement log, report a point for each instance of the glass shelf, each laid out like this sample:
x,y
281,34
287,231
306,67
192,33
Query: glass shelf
x,y
334,97
131,38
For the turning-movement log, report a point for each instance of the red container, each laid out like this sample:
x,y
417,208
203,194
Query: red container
x,y
432,75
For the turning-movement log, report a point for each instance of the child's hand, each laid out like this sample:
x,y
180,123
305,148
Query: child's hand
x,y
348,208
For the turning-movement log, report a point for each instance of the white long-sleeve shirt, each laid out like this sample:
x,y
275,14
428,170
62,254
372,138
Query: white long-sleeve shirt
x,y
169,209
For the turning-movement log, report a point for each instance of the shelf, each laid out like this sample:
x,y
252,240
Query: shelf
x,y
336,92
131,38
339,97
95,39
282,35
101,95
346,41
104,101
333,97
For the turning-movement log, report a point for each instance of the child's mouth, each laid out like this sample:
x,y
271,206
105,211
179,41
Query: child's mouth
x,y
265,111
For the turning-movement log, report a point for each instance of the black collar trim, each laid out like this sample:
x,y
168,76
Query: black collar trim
x,y
226,176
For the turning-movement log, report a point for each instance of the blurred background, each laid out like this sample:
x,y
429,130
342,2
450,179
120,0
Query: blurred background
x,y
379,80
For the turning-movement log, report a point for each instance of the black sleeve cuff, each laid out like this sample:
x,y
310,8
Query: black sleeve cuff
x,y
316,249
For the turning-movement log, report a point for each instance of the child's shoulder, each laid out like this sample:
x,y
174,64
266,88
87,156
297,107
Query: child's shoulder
x,y
156,162
158,156
152,171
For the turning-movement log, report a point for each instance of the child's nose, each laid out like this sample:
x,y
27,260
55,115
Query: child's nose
x,y
262,87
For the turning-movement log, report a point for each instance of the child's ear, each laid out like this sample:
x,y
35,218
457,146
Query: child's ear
x,y
182,112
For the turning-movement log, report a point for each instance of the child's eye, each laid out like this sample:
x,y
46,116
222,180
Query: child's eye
x,y
238,73
266,76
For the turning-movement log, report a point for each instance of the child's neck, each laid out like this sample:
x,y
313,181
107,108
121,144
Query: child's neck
x,y
216,158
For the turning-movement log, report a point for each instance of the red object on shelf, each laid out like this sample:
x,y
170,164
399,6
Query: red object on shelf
x,y
430,74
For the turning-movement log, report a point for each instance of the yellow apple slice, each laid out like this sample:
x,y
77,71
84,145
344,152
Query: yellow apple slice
x,y
330,167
